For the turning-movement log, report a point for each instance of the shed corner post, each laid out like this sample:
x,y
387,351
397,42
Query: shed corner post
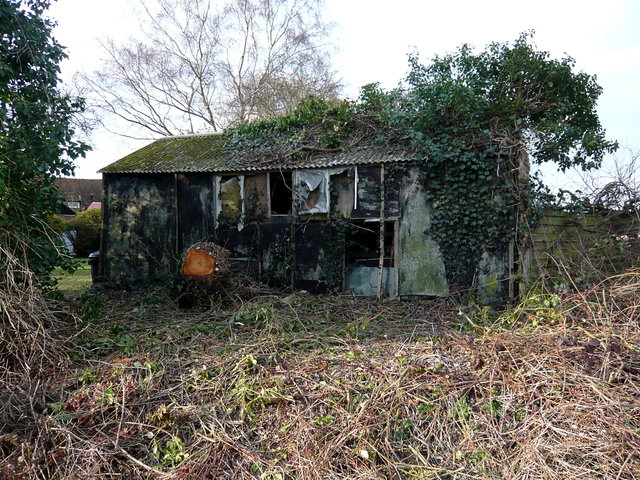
x,y
105,228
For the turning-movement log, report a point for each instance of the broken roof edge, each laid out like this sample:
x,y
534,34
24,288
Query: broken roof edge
x,y
211,153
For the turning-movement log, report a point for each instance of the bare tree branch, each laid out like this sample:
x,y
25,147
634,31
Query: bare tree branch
x,y
193,69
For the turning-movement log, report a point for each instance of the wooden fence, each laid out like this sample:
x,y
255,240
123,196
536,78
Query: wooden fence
x,y
583,246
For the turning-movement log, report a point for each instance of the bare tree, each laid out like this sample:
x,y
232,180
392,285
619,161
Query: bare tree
x,y
616,188
195,68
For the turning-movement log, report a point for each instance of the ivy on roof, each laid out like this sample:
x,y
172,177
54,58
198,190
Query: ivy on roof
x,y
316,134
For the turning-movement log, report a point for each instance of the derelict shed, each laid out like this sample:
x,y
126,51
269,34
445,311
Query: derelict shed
x,y
352,219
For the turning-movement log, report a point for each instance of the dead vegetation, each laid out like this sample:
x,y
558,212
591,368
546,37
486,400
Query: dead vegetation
x,y
29,349
32,355
305,387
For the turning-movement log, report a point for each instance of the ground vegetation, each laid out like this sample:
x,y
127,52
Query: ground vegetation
x,y
268,386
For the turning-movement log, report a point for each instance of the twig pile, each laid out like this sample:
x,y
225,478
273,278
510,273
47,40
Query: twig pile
x,y
29,353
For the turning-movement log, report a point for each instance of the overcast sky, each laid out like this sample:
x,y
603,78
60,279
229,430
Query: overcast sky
x,y
373,38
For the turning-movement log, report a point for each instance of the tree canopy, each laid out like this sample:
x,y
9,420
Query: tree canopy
x,y
36,134
508,98
476,120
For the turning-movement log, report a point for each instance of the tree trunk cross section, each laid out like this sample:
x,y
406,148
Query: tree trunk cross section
x,y
199,265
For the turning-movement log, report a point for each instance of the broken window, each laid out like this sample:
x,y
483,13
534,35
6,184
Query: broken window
x,y
230,207
280,197
343,190
367,201
312,191
256,205
363,244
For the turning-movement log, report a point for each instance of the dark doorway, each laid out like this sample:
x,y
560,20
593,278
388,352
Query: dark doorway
x,y
281,188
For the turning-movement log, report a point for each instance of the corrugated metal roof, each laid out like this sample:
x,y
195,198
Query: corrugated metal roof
x,y
212,153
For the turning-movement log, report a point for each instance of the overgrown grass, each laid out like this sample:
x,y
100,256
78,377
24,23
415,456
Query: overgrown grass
x,y
305,387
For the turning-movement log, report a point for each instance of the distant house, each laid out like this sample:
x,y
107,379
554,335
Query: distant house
x,y
79,193
310,221
64,211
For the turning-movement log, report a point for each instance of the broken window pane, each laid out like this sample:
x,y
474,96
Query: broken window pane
x,y
363,244
256,204
312,191
230,192
342,187
280,197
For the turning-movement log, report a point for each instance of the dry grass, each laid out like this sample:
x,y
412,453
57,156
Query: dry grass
x,y
304,387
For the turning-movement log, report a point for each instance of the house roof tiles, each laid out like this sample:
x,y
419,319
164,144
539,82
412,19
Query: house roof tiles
x,y
82,190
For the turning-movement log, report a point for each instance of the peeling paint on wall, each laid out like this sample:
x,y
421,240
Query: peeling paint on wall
x,y
195,208
276,248
367,192
244,246
392,191
310,271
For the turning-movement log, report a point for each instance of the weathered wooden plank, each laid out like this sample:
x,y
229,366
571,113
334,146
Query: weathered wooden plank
x,y
140,234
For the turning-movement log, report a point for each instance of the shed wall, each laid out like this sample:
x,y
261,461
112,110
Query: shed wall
x,y
421,268
151,219
195,208
140,227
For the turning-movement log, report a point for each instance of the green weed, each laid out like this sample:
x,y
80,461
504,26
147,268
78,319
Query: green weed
x,y
461,410
172,454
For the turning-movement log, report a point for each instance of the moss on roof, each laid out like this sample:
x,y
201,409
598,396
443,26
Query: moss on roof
x,y
214,153
187,153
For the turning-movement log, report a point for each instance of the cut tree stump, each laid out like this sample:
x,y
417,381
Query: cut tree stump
x,y
205,261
